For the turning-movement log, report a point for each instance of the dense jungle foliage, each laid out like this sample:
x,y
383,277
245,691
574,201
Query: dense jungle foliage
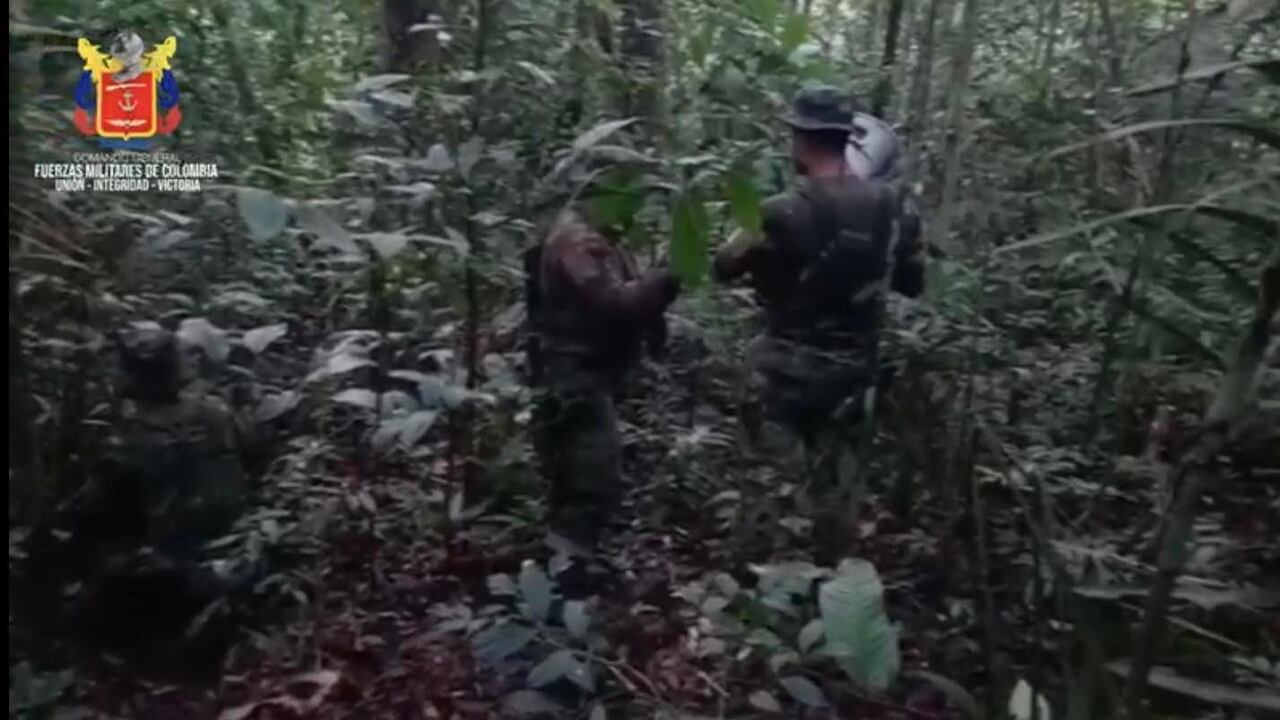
x,y
1074,494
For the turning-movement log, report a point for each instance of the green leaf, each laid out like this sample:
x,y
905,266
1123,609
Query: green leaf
x,y
535,590
561,664
257,339
437,160
326,229
416,426
958,696
765,701
379,82
804,691
576,618
538,73
764,638
199,332
764,12
386,244
264,213
357,397
498,642
273,406
530,702
600,132
857,629
810,635
358,109
689,240
469,154
744,198
794,32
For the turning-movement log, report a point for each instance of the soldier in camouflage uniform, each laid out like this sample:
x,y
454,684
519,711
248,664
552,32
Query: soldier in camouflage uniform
x,y
173,474
828,251
591,310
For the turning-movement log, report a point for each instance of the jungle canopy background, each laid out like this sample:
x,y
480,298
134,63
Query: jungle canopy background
x,y
1073,506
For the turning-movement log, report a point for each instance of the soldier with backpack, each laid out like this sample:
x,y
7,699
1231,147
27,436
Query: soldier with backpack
x,y
829,252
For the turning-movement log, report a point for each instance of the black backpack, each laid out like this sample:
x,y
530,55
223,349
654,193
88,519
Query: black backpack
x,y
846,264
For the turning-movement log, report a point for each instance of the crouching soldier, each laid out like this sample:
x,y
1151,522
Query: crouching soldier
x,y
171,483
591,313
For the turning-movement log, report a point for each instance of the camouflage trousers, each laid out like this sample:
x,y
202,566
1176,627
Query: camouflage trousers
x,y
578,445
802,413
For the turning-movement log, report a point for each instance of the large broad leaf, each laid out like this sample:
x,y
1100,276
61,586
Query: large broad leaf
x,y
199,332
794,31
273,406
1261,133
576,619
804,691
339,364
495,644
358,109
810,635
535,590
437,159
690,229
258,339
744,198
1025,703
326,229
764,700
600,132
530,702
561,664
379,82
469,154
858,631
764,12
264,213
357,397
387,245
1270,68
416,426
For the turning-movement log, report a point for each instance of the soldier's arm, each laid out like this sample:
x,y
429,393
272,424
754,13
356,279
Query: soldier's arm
x,y
909,253
745,251
581,263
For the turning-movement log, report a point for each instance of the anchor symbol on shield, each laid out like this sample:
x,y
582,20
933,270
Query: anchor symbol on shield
x,y
128,104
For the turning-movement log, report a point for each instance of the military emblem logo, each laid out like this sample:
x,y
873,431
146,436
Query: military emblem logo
x,y
128,96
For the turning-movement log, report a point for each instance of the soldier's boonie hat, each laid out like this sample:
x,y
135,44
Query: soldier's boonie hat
x,y
820,107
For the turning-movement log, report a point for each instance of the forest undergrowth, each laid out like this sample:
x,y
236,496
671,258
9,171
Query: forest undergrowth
x,y
1074,484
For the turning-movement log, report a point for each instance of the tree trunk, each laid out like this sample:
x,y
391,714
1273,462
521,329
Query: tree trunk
x,y
643,50
1114,57
920,86
962,60
883,88
1051,40
400,49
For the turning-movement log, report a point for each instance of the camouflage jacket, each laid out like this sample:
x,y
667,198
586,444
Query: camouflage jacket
x,y
594,303
792,240
176,467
